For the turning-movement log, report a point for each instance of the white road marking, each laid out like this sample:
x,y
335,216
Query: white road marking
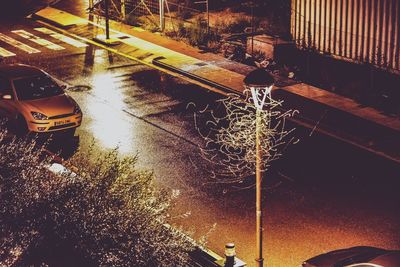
x,y
61,37
5,53
38,40
18,44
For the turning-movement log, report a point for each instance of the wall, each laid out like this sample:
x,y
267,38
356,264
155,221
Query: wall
x,y
363,31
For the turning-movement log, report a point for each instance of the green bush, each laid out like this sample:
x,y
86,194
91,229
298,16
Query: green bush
x,y
109,210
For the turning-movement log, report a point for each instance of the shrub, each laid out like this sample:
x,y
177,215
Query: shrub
x,y
238,25
146,22
184,14
197,33
234,24
109,210
133,20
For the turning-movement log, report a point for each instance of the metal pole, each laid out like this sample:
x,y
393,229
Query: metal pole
x,y
91,6
123,11
259,259
162,15
208,18
107,22
208,14
252,28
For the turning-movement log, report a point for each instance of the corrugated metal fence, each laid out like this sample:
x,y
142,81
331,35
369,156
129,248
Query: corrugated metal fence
x,y
365,31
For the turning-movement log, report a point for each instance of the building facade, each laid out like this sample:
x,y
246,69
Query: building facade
x,y
362,31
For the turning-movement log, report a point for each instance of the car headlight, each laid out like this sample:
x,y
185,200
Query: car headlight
x,y
77,109
38,116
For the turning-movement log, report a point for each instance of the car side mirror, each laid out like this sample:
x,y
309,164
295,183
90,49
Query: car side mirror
x,y
6,97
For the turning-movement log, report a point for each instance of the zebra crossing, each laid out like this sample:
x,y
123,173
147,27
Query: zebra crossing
x,y
6,53
35,41
61,37
11,41
38,40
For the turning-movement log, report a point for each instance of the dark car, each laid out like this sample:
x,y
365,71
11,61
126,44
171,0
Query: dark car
x,y
361,256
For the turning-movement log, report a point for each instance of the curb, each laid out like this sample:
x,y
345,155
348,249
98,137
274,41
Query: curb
x,y
156,61
52,22
60,18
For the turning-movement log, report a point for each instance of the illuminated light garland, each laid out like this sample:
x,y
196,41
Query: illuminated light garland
x,y
230,139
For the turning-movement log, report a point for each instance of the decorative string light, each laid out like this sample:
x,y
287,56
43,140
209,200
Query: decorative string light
x,y
230,139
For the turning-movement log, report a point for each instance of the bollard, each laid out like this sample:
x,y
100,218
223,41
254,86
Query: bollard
x,y
230,254
207,258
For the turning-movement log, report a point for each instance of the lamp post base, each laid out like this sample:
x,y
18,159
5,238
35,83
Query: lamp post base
x,y
107,41
259,262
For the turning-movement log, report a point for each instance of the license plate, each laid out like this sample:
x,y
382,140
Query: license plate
x,y
57,123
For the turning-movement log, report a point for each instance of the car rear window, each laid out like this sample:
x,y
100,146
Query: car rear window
x,y
36,87
360,258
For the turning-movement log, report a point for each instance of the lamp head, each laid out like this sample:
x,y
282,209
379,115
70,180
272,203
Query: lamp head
x,y
260,83
259,78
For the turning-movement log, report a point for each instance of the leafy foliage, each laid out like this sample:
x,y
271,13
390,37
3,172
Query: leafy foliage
x,y
197,33
107,208
236,26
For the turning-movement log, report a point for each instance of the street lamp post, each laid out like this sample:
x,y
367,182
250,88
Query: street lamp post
x,y
260,84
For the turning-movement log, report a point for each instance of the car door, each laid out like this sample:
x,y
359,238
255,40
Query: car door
x,y
7,99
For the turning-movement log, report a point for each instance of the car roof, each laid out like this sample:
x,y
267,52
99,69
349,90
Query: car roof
x,y
389,259
347,256
18,70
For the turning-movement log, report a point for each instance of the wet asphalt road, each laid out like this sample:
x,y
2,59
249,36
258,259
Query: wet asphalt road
x,y
322,195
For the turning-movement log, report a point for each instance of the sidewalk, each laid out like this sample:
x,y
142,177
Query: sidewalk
x,y
320,110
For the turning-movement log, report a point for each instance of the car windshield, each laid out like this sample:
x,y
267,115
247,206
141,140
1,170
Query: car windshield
x,y
36,87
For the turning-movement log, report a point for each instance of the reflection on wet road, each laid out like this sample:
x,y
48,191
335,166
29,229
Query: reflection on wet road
x,y
106,121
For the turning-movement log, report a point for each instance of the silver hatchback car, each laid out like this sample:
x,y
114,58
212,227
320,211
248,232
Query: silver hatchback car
x,y
361,256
